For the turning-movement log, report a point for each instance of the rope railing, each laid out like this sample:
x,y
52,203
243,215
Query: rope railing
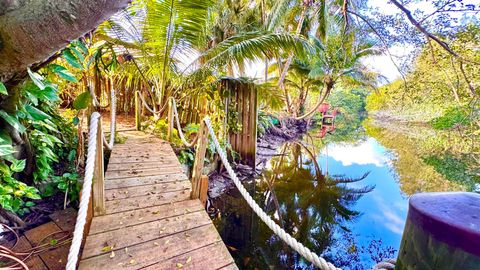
x,y
292,242
145,104
94,142
74,251
113,113
179,127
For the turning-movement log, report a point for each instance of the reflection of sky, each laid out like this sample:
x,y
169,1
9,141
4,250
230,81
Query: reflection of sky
x,y
384,209
364,153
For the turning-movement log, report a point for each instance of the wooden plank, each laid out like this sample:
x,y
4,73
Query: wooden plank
x,y
146,201
136,159
144,180
126,237
151,252
33,263
143,172
65,219
56,258
134,217
231,266
143,165
130,192
213,256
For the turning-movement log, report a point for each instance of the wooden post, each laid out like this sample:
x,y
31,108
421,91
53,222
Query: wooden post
x,y
203,189
200,151
442,232
170,120
98,189
138,107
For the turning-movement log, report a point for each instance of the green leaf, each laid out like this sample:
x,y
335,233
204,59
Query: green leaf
x,y
13,121
5,170
3,89
64,73
78,54
75,120
37,79
36,114
29,204
82,46
71,59
18,165
82,101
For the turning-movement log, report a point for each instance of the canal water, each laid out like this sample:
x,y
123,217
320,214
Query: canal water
x,y
343,197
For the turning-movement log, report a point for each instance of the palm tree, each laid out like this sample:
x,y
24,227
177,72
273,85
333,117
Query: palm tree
x,y
311,205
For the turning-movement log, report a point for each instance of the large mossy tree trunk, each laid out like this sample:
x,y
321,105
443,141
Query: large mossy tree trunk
x,y
31,31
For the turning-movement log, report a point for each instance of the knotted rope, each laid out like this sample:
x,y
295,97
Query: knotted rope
x,y
292,242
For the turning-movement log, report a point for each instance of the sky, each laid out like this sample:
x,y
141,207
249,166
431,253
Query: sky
x,y
382,64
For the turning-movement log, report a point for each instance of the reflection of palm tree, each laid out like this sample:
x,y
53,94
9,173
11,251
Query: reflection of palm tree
x,y
310,204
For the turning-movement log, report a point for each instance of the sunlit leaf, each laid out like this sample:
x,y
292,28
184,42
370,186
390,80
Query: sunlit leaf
x,y
71,59
13,121
3,89
18,165
82,101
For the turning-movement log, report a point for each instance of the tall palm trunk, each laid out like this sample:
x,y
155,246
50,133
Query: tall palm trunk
x,y
165,54
281,80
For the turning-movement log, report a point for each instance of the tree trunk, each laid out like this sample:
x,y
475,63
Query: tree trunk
x,y
281,80
31,31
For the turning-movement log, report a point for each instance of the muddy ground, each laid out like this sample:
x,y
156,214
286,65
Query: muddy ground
x,y
267,146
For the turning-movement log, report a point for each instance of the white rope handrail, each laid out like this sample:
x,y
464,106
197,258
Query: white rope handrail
x,y
179,127
292,242
86,194
113,114
145,104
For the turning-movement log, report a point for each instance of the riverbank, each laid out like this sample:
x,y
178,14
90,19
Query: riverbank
x,y
267,145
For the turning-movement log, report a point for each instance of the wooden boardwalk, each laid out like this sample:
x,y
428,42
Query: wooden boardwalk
x,y
150,221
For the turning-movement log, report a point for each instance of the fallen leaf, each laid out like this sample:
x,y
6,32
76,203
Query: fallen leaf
x,y
189,259
156,244
179,265
106,248
112,254
166,242
132,261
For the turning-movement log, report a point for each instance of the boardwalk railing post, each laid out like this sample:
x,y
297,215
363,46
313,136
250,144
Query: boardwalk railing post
x,y
200,151
137,110
98,189
203,189
170,120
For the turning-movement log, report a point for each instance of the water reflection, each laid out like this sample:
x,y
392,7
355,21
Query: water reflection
x,y
344,196
314,207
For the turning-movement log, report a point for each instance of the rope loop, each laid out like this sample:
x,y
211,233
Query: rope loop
x,y
179,127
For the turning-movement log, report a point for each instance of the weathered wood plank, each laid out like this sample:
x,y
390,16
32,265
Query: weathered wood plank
x,y
144,180
154,251
134,217
213,256
143,165
146,201
33,263
143,172
65,219
151,220
126,237
56,258
130,192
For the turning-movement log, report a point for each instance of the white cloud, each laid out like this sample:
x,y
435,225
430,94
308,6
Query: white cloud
x,y
361,154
